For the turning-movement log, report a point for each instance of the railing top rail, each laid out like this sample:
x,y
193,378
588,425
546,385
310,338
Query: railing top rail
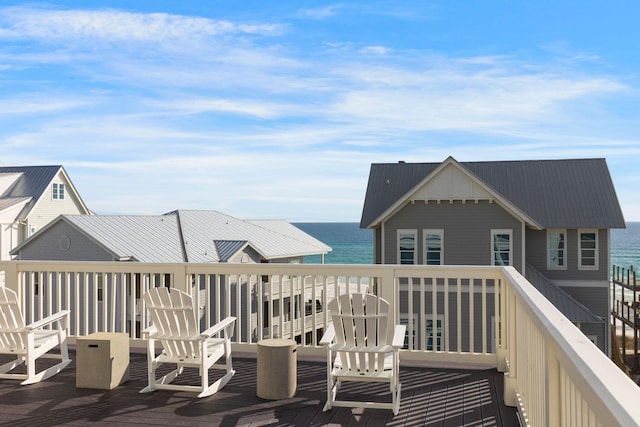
x,y
589,367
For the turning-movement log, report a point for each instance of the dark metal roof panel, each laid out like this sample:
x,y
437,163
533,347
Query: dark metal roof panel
x,y
227,248
573,193
569,306
33,182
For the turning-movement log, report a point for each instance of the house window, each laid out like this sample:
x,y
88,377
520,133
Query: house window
x,y
501,247
433,245
434,341
58,191
407,246
588,249
431,341
556,243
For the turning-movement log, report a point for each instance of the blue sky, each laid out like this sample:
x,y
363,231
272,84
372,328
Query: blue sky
x,y
277,109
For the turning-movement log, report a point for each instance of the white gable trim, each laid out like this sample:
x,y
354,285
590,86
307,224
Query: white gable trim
x,y
452,181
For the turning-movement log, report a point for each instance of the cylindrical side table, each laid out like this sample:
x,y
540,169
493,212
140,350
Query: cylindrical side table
x,y
277,371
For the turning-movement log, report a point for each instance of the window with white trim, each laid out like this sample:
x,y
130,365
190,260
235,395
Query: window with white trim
x,y
407,246
588,249
58,191
556,253
501,247
433,247
428,343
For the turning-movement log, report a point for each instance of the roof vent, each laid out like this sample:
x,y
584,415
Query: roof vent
x,y
402,162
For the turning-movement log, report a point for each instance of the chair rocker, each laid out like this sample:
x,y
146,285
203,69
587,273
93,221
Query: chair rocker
x,y
174,324
361,347
30,342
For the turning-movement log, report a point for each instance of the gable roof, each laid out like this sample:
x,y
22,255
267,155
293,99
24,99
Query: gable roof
x,y
139,238
271,238
188,236
33,182
573,193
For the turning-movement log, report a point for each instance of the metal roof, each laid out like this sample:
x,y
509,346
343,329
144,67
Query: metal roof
x,y
189,236
271,238
571,193
142,238
569,306
33,181
228,248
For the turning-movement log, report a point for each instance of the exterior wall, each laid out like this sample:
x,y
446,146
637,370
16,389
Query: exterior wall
x,y
62,242
247,255
47,209
467,231
536,253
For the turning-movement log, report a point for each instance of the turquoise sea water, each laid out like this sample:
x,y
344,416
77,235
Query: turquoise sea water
x,y
352,245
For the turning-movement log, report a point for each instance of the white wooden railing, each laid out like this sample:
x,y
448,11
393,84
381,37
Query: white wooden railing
x,y
481,316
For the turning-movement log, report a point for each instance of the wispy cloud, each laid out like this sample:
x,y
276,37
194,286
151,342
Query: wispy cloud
x,y
114,25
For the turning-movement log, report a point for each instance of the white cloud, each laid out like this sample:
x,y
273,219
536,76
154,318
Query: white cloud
x,y
318,13
114,25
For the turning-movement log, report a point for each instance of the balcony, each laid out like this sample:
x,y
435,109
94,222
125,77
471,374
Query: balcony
x,y
480,340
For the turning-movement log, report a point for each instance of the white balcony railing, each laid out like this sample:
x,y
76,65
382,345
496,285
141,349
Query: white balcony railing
x,y
481,316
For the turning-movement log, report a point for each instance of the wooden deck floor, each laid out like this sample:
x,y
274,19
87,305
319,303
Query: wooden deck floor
x,y
430,397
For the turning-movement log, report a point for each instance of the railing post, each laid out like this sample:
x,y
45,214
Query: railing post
x,y
387,290
510,377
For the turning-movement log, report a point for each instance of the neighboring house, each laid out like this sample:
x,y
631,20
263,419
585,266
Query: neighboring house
x,y
181,236
30,197
550,219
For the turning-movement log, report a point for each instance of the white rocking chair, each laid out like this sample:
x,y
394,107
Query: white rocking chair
x,y
361,348
30,342
174,324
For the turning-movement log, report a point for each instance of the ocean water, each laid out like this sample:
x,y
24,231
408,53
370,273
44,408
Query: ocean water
x,y
352,245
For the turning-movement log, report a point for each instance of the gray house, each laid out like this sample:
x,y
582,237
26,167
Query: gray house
x,y
179,237
550,219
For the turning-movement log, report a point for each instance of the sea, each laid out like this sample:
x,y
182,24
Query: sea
x,y
353,245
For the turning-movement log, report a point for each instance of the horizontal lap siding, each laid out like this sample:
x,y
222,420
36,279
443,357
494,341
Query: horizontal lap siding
x,y
537,256
467,230
50,247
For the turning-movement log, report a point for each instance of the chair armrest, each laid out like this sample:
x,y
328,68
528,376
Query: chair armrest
x,y
398,336
48,320
329,334
225,323
148,331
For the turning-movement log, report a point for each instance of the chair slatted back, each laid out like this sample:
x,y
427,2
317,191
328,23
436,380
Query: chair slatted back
x,y
11,321
361,321
171,312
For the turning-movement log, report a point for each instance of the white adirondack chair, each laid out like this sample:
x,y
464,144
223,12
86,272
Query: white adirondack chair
x,y
30,342
174,324
361,347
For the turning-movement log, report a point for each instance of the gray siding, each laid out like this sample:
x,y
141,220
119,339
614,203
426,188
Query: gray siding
x,y
596,298
467,231
53,241
537,256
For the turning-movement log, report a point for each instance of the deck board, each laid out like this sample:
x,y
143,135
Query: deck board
x,y
430,397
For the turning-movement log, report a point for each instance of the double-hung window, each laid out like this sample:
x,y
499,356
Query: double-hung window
x,y
433,247
58,191
407,246
588,249
556,253
501,247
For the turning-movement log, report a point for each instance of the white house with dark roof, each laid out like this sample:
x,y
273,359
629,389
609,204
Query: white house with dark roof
x,y
30,197
550,219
